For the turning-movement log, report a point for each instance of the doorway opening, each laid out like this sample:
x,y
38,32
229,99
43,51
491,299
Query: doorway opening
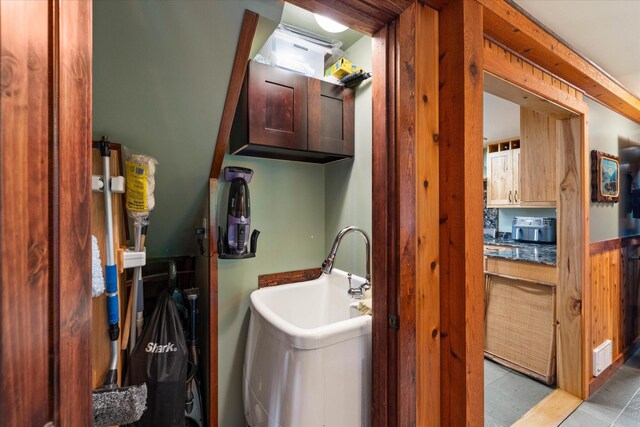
x,y
525,238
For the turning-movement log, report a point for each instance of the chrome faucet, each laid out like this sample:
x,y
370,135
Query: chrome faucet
x,y
327,265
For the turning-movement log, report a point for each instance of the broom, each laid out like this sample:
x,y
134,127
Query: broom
x,y
113,405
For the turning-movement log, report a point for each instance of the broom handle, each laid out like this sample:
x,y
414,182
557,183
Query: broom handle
x,y
111,275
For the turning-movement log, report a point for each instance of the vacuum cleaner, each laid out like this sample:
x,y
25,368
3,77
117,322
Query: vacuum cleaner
x,y
235,244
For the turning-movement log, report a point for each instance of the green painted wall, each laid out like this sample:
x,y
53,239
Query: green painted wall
x,y
287,206
610,132
348,182
160,76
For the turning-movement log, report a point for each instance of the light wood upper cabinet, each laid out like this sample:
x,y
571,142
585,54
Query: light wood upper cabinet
x,y
538,164
499,178
503,173
521,172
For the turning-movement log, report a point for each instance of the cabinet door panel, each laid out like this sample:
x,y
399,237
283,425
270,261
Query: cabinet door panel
x,y
277,107
538,163
515,176
331,117
499,179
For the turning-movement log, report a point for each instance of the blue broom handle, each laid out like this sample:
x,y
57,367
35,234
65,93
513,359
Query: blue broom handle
x,y
111,275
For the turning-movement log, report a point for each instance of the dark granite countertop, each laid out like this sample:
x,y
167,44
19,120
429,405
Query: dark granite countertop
x,y
538,253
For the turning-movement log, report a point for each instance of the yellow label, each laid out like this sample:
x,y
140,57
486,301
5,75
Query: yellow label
x,y
136,187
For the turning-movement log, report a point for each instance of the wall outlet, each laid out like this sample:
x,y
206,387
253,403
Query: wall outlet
x,y
602,357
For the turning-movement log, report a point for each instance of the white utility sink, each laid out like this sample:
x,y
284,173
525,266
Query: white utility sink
x,y
308,359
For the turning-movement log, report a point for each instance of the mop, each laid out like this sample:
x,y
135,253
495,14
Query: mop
x,y
113,405
140,201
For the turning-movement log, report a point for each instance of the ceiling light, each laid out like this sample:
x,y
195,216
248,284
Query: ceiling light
x,y
329,24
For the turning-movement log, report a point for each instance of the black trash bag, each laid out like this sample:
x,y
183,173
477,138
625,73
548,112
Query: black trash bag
x,y
159,359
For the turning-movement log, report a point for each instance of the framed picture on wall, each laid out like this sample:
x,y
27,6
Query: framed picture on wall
x,y
605,177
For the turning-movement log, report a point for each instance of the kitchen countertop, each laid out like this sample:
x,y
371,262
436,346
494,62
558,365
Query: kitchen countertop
x,y
537,253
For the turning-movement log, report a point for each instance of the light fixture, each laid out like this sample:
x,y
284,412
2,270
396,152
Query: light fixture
x,y
329,24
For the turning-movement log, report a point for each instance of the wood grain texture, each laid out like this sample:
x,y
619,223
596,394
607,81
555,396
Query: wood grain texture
x,y
538,149
365,16
550,411
384,229
461,272
571,260
506,66
238,72
503,23
72,215
406,146
428,221
277,279
211,298
25,257
331,115
614,296
583,249
277,116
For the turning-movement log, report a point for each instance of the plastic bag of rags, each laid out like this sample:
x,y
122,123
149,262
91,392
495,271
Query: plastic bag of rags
x,y
160,360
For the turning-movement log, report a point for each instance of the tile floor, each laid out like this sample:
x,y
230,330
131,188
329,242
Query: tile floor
x,y
509,395
616,403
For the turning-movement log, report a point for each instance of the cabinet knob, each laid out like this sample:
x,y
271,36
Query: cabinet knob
x,y
515,198
510,201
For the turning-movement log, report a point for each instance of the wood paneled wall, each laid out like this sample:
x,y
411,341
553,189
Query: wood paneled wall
x,y
615,301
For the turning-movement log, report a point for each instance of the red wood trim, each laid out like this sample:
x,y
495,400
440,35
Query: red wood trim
x,y
406,151
597,382
277,279
384,396
25,262
212,302
461,276
238,72
365,16
613,244
604,246
72,214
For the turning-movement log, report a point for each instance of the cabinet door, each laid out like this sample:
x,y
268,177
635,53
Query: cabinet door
x,y
538,185
277,107
331,116
515,176
499,179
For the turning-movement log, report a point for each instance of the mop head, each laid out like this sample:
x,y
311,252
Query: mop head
x,y
119,405
97,278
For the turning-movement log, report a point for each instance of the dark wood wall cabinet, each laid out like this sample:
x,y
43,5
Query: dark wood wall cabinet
x,y
285,115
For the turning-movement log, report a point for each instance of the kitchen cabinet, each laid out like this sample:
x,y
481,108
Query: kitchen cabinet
x,y
503,158
521,172
538,168
285,115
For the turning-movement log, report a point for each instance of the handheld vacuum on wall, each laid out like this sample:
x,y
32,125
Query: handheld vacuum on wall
x,y
235,244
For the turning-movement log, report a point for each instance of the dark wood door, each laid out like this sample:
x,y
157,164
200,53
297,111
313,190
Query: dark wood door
x,y
45,190
25,263
277,107
331,115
